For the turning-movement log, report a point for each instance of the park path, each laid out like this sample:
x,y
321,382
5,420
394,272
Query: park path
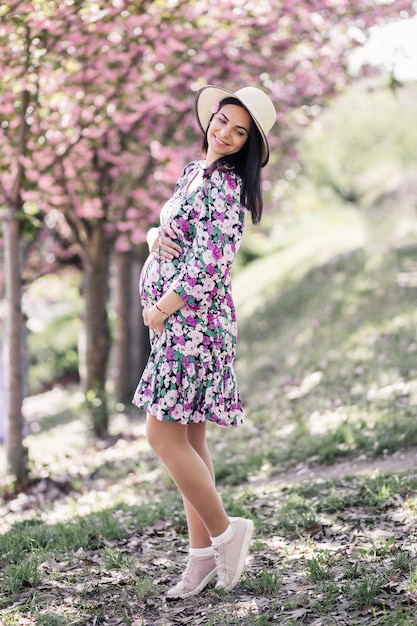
x,y
403,460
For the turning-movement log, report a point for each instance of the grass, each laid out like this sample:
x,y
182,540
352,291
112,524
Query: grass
x,y
327,369
350,559
266,583
328,361
319,567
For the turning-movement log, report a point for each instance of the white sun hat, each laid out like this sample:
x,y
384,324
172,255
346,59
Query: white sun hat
x,y
255,101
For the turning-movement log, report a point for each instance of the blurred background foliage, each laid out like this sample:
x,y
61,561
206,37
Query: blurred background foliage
x,y
352,189
54,327
360,153
361,147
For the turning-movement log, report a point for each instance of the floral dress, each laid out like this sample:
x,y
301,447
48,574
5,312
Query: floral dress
x,y
189,376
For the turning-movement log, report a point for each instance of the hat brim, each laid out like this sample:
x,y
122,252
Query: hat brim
x,y
207,97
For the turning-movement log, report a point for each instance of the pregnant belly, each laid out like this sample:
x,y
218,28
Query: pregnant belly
x,y
155,278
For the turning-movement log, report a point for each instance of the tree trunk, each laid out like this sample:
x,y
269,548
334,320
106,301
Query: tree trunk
x,y
15,369
132,344
124,330
14,349
97,338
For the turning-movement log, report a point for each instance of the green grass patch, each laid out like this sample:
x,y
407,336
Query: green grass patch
x,y
327,366
320,566
118,561
267,582
23,574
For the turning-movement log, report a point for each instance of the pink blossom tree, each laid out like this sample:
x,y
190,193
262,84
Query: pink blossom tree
x,y
97,121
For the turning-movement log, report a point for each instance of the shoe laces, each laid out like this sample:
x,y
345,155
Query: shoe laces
x,y
188,567
219,557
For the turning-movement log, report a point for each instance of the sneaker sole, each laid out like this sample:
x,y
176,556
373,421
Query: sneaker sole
x,y
242,559
194,592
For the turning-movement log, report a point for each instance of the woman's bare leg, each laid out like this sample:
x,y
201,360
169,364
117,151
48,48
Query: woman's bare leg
x,y
197,531
192,472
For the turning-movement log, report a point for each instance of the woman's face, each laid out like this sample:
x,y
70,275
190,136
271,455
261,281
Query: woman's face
x,y
228,132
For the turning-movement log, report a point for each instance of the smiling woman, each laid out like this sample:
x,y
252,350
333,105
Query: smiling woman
x,y
185,288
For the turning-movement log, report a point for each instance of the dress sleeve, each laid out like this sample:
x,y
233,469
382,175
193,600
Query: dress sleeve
x,y
217,236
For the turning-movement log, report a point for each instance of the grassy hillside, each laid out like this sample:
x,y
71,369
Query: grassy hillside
x,y
327,359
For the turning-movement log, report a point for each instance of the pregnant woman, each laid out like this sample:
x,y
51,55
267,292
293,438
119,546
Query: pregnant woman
x,y
187,302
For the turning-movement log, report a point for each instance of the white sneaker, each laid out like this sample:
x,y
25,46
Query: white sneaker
x,y
231,554
199,572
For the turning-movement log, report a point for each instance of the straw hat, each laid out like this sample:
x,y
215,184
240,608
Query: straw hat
x,y
257,103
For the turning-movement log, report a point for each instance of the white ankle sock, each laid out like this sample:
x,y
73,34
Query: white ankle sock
x,y
201,551
222,538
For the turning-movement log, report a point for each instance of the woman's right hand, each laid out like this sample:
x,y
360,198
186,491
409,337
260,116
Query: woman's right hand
x,y
161,244
154,319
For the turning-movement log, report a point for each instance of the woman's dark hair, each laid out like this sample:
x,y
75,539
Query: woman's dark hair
x,y
246,163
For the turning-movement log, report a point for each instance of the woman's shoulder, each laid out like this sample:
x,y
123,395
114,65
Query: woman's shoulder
x,y
225,176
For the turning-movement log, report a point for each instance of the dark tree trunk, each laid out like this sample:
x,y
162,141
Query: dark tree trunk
x,y
132,343
97,337
14,349
15,368
124,330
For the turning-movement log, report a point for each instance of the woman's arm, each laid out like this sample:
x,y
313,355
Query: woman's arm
x,y
216,236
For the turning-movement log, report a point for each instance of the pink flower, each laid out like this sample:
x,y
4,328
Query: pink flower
x,y
215,107
231,181
216,252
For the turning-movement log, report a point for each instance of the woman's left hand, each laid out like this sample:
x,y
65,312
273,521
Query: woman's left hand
x,y
162,245
154,319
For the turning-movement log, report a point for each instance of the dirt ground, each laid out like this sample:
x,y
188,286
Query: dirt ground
x,y
399,461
